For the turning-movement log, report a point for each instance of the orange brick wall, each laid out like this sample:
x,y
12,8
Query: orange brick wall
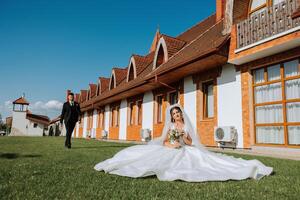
x,y
158,127
246,94
114,131
133,130
80,132
205,127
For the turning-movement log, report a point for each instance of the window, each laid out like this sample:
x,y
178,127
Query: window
x,y
35,125
160,56
139,112
159,101
257,6
173,98
131,119
277,103
115,116
131,73
112,82
208,100
100,119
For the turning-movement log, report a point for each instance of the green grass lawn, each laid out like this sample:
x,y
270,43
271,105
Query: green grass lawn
x,y
41,168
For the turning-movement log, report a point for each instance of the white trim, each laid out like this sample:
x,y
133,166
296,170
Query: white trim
x,y
132,61
106,118
267,39
85,121
115,81
147,114
190,99
229,101
123,120
162,43
98,87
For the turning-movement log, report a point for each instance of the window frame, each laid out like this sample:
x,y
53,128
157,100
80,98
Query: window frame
x,y
205,94
282,102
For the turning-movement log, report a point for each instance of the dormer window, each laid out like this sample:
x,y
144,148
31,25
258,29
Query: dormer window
x,y
160,57
112,84
161,54
131,73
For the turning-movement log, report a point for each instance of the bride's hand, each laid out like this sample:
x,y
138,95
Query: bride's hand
x,y
176,144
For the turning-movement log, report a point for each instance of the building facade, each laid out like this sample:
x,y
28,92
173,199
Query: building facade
x,y
238,67
24,123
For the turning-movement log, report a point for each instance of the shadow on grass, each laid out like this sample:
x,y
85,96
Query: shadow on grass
x,y
16,155
98,147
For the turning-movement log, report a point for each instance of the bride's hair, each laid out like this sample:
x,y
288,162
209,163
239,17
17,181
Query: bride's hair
x,y
179,110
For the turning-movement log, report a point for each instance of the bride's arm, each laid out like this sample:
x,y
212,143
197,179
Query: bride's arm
x,y
187,139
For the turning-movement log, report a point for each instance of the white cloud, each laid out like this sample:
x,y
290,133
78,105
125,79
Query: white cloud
x,y
8,104
50,105
51,108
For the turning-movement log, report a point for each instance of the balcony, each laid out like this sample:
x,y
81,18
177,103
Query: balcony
x,y
275,21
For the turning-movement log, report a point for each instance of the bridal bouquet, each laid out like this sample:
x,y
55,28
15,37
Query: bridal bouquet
x,y
174,136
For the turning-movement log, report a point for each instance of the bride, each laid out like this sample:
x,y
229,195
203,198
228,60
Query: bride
x,y
179,155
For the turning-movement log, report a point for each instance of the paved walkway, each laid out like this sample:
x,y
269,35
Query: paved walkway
x,y
283,153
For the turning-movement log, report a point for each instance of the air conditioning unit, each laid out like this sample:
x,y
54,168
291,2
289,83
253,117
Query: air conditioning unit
x,y
104,134
145,134
226,136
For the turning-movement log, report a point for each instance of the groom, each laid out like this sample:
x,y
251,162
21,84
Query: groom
x,y
70,114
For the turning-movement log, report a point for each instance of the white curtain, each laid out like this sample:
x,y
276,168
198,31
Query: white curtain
x,y
210,101
268,93
256,3
273,72
270,134
277,1
292,89
269,114
259,76
293,112
294,134
291,68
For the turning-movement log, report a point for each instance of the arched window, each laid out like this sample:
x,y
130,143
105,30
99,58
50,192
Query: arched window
x,y
131,73
161,54
112,84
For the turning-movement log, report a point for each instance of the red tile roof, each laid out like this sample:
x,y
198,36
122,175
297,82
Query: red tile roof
x,y
141,62
173,44
21,100
83,95
197,29
120,74
92,90
77,97
56,119
103,84
41,119
198,43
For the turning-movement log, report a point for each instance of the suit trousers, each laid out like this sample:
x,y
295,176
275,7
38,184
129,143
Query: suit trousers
x,y
69,130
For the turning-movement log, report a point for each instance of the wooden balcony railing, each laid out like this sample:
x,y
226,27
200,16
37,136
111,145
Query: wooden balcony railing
x,y
268,23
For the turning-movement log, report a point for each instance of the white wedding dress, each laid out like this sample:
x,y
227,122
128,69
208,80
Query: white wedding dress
x,y
188,163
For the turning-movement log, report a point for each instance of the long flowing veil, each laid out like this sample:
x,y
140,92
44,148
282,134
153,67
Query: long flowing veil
x,y
190,128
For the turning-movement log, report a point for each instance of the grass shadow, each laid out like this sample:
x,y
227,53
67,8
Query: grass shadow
x,y
16,155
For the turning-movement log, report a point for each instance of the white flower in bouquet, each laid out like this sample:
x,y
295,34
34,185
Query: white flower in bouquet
x,y
174,135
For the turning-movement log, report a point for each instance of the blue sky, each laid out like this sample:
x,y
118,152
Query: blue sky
x,y
49,46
